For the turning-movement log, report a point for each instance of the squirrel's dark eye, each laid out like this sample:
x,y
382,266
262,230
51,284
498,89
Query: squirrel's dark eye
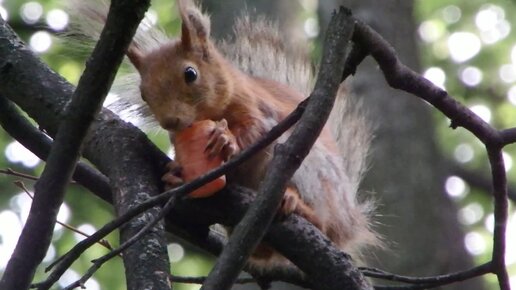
x,y
190,75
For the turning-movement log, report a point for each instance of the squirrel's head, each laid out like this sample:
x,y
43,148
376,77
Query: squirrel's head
x,y
187,79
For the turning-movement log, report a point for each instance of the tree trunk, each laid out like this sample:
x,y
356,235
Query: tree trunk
x,y
417,219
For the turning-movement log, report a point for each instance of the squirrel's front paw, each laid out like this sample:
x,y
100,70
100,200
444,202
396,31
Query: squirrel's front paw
x,y
173,178
222,142
289,203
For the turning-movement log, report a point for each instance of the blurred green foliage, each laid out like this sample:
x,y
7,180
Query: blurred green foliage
x,y
491,92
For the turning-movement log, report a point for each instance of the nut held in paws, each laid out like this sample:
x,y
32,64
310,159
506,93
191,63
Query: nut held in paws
x,y
190,145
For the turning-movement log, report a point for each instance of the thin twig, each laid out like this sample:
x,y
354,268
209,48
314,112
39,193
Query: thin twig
x,y
18,127
97,263
200,280
102,242
402,77
11,172
435,281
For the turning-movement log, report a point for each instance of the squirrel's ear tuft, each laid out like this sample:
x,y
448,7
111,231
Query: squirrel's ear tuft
x,y
195,28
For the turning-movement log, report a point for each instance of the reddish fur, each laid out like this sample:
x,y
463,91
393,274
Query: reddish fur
x,y
250,105
324,188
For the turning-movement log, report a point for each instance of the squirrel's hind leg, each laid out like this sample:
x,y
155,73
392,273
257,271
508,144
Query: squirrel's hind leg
x,y
292,203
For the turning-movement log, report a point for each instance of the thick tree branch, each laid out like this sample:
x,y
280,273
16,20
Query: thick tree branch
x,y
97,263
120,151
118,48
354,58
134,165
178,192
508,135
401,77
501,213
38,143
50,188
295,238
200,280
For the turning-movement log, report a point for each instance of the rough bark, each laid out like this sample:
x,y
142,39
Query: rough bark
x,y
134,167
44,96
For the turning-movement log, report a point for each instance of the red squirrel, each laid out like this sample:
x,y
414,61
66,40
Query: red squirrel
x,y
248,89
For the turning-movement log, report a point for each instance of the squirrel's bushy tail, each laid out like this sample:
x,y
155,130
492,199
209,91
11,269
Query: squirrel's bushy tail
x,y
259,48
88,19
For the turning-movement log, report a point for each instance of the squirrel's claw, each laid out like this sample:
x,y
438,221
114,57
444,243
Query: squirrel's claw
x,y
173,178
174,167
292,203
222,142
289,203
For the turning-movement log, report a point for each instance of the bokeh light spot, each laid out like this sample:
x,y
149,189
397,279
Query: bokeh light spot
x,y
475,243
511,95
311,27
507,159
451,14
4,14
87,229
57,19
482,111
40,41
471,76
471,214
436,75
463,46
455,187
463,153
31,12
9,232
507,73
17,153
175,252
431,30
